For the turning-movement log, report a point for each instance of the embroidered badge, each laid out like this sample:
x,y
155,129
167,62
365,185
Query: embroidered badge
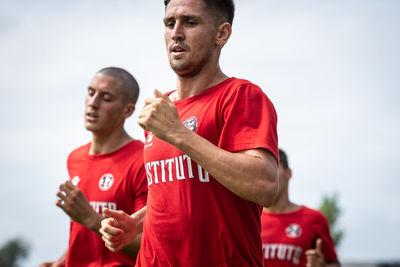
x,y
106,181
191,123
293,230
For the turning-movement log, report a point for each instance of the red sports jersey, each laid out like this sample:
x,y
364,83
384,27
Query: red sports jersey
x,y
193,220
287,236
114,180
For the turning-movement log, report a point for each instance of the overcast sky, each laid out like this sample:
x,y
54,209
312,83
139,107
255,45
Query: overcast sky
x,y
331,68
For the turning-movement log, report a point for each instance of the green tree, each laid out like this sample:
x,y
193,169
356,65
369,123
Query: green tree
x,y
331,209
12,252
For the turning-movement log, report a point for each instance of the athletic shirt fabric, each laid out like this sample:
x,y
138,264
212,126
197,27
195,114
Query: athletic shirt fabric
x,y
193,220
115,180
287,236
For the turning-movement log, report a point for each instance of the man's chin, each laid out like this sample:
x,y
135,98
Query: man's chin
x,y
183,70
90,127
178,66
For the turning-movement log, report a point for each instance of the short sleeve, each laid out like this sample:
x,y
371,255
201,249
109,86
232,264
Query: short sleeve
x,y
140,189
328,247
250,121
138,181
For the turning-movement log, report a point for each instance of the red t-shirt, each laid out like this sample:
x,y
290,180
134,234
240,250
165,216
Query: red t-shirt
x,y
287,236
193,220
114,180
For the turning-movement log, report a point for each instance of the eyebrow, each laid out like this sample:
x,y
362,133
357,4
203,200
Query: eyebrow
x,y
101,92
182,17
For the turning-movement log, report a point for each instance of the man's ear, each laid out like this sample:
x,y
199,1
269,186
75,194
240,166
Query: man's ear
x,y
224,31
289,173
128,110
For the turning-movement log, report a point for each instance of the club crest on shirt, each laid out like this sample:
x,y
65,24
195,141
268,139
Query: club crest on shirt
x,y
75,180
293,230
191,123
106,181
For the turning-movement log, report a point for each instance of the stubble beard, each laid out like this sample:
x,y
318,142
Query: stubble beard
x,y
186,68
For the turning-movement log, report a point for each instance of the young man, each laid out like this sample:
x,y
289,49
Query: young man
x,y
210,153
108,172
295,235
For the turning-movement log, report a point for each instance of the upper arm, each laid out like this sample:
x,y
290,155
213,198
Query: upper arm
x,y
249,121
140,187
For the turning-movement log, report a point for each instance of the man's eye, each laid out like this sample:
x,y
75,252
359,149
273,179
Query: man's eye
x,y
107,98
170,24
191,23
90,92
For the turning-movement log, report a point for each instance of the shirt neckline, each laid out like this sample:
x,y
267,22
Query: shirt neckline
x,y
205,92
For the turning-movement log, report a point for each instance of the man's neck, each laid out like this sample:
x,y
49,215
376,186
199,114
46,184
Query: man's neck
x,y
102,144
282,205
188,86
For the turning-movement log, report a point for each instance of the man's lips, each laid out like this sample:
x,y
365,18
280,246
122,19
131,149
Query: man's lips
x,y
91,117
178,49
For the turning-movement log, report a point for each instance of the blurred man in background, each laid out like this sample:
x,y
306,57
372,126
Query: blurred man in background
x,y
295,235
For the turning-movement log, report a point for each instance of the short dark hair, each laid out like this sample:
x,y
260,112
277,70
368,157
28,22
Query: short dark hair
x,y
129,85
224,8
283,159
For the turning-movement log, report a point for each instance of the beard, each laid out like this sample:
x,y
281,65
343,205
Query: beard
x,y
188,68
179,65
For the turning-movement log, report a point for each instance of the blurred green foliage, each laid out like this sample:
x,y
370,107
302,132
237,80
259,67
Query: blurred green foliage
x,y
331,209
13,250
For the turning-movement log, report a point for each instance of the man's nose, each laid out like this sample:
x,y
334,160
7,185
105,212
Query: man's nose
x,y
94,101
177,32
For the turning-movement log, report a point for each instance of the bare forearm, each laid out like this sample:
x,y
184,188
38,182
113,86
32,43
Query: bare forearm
x,y
248,174
139,218
93,222
132,249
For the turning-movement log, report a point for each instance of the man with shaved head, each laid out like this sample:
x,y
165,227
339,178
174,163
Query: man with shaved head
x,y
108,172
